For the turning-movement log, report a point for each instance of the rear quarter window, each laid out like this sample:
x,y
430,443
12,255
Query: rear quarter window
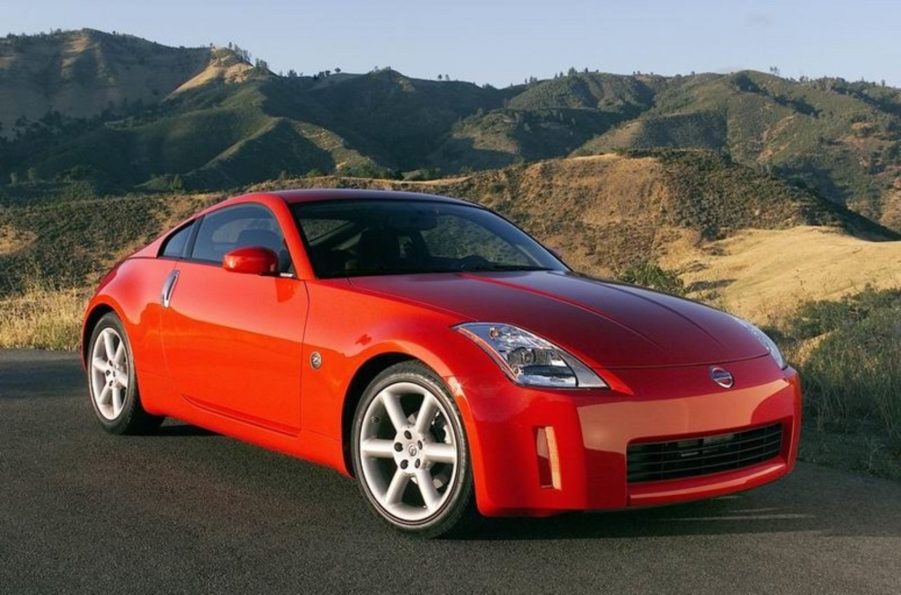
x,y
177,243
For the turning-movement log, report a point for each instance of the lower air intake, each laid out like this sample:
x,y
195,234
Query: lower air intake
x,y
691,457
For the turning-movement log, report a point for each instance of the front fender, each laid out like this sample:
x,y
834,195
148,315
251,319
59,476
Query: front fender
x,y
348,329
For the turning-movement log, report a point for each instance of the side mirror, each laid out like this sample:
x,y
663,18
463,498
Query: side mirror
x,y
253,261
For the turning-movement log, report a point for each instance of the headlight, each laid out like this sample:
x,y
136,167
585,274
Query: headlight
x,y
765,341
528,359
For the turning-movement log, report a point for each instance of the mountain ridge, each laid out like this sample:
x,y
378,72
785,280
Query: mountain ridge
x,y
154,118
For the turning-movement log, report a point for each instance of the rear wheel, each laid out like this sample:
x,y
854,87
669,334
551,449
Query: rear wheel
x,y
410,453
112,381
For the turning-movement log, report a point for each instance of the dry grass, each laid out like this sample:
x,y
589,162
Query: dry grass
x,y
224,66
42,317
764,274
13,240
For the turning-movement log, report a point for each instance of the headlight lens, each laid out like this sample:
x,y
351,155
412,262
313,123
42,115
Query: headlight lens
x,y
528,359
765,341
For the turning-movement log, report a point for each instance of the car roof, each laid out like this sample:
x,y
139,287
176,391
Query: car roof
x,y
324,194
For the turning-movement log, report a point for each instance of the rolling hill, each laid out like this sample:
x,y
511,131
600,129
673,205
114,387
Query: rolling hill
x,y
841,139
82,74
603,213
109,114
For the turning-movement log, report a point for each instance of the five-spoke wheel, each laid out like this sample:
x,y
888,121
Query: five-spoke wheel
x,y
112,381
109,373
410,451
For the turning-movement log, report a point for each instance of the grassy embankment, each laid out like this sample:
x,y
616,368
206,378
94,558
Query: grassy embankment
x,y
848,352
42,317
52,254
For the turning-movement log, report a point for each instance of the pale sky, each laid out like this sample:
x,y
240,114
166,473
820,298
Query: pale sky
x,y
504,41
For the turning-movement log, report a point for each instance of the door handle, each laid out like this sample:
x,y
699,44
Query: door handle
x,y
168,287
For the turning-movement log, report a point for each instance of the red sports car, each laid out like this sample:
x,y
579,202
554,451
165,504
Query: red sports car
x,y
438,354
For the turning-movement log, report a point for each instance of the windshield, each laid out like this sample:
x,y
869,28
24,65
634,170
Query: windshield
x,y
349,238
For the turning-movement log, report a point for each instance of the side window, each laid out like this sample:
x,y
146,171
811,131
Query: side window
x,y
175,244
241,226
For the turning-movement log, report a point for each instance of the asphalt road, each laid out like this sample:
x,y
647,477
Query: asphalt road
x,y
190,511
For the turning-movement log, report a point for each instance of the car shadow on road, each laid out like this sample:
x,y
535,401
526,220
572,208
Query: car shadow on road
x,y
182,429
723,516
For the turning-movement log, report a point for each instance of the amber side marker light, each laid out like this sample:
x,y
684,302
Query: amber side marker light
x,y
548,459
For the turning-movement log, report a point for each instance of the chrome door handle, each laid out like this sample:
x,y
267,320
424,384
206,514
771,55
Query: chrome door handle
x,y
168,287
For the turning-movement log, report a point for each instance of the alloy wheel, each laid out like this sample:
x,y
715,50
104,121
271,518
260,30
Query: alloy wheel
x,y
109,373
408,451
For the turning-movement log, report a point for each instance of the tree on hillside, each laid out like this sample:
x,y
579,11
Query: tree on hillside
x,y
241,53
774,70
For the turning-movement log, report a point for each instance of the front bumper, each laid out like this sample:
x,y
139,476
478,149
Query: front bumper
x,y
537,452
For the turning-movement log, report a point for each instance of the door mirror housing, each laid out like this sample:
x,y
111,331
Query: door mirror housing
x,y
254,260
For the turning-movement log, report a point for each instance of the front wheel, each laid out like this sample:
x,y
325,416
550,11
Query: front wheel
x,y
112,381
410,453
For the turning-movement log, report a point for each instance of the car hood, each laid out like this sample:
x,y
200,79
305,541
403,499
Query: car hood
x,y
607,325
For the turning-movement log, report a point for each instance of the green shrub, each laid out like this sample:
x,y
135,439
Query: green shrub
x,y
853,370
812,319
648,274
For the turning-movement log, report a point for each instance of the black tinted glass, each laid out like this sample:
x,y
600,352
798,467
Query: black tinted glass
x,y
382,237
242,226
176,243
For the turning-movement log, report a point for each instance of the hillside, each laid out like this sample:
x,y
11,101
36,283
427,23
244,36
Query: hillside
x,y
603,213
546,119
841,139
765,273
81,74
111,114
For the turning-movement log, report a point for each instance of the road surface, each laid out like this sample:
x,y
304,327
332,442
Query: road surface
x,y
191,511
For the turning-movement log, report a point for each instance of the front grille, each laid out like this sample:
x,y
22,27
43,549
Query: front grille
x,y
700,456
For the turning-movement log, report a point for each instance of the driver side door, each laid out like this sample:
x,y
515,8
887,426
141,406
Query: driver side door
x,y
233,341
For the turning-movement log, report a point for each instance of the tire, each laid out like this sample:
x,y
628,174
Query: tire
x,y
112,384
394,455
